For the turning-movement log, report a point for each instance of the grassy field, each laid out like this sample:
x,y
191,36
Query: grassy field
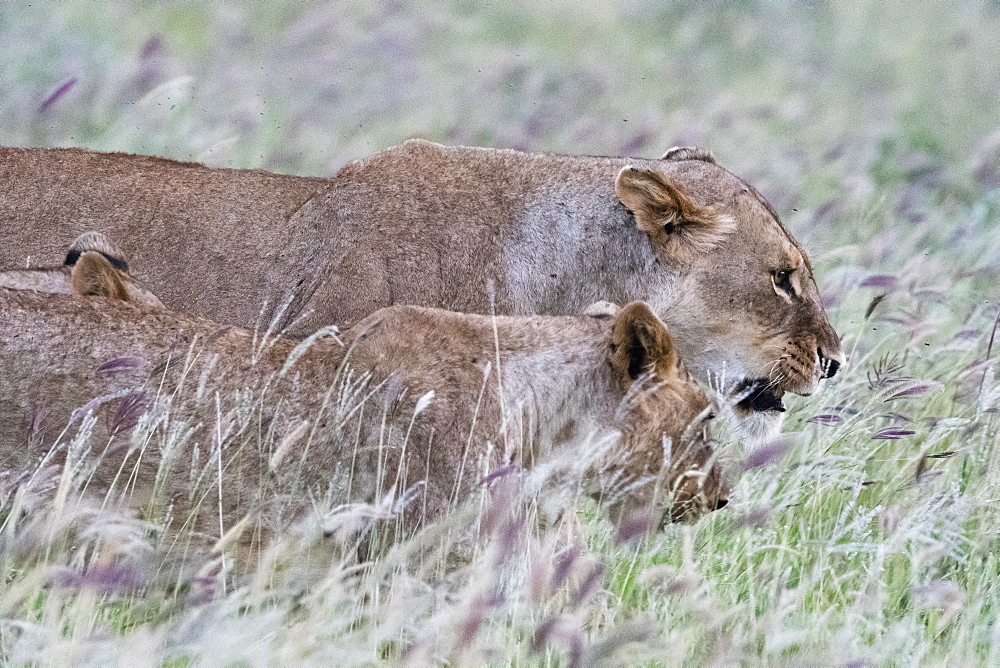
x,y
869,533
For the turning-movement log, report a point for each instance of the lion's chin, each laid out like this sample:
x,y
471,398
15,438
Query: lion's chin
x,y
760,411
756,428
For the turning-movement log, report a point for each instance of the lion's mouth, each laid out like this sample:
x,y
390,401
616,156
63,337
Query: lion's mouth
x,y
759,395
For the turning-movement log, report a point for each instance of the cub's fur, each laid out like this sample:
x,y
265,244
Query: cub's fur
x,y
94,267
550,383
467,229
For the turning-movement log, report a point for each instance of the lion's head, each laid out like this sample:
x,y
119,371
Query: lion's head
x,y
611,375
663,423
744,306
94,267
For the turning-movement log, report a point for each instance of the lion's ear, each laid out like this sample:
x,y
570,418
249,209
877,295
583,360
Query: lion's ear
x,y
602,310
681,226
640,344
678,153
95,241
93,275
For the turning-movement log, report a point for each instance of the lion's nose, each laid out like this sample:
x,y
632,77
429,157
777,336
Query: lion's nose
x,y
828,366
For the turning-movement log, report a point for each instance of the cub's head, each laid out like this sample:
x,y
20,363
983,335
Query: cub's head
x,y
93,267
742,302
662,420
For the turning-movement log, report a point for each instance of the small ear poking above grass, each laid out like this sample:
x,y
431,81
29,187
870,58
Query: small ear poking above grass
x,y
93,275
678,153
602,310
95,241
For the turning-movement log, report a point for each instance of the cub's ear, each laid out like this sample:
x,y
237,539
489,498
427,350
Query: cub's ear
x,y
95,241
681,227
602,310
93,275
640,344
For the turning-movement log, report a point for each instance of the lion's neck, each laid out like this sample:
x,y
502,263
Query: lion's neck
x,y
552,395
560,264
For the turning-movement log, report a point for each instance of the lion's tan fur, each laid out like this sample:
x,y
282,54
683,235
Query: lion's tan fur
x,y
466,229
550,382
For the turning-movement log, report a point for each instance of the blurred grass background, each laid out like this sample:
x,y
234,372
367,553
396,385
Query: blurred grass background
x,y
872,127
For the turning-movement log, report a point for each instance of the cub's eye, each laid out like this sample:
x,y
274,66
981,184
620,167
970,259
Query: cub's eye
x,y
783,279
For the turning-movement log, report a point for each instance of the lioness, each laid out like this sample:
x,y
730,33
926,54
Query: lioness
x,y
548,381
93,267
431,225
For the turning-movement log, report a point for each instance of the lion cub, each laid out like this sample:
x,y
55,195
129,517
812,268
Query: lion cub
x,y
414,407
93,267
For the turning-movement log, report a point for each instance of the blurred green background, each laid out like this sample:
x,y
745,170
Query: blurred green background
x,y
776,90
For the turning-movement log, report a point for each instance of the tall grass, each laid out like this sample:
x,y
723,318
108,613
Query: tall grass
x,y
867,533
80,565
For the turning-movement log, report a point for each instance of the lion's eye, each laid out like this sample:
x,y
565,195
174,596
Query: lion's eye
x,y
783,279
